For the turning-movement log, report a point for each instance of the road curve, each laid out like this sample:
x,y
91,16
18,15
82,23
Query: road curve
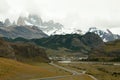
x,y
69,70
72,71
52,78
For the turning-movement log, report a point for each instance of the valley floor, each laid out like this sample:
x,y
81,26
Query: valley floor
x,y
68,77
74,75
14,70
98,70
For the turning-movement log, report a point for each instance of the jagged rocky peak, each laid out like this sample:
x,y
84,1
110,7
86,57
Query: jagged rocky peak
x,y
21,21
109,31
34,19
7,22
30,20
96,30
51,25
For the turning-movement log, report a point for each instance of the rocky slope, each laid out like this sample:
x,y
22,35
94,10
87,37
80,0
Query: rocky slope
x,y
22,51
27,32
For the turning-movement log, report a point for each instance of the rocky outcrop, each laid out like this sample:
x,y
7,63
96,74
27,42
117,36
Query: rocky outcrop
x,y
21,21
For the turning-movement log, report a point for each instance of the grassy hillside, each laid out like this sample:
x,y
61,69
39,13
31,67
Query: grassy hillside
x,y
112,46
76,77
98,70
13,70
109,52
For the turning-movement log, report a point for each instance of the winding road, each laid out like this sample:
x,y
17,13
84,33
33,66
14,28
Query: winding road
x,y
66,69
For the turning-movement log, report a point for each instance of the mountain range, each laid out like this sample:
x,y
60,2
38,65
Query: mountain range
x,y
54,38
73,42
47,27
76,45
33,26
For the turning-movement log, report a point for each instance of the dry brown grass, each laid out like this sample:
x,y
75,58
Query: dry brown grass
x,y
13,70
76,77
101,72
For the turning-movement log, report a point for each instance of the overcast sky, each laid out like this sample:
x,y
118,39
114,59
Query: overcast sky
x,y
81,14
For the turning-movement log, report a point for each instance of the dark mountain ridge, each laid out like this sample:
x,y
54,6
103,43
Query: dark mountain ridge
x,y
89,44
109,52
22,51
74,42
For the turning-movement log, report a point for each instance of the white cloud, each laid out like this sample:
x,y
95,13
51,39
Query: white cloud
x,y
115,30
71,13
3,7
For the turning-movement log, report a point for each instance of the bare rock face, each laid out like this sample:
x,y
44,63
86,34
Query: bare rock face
x,y
21,21
34,20
7,22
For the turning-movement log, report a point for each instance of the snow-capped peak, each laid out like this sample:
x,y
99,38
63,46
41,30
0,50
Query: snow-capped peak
x,y
106,35
49,27
64,31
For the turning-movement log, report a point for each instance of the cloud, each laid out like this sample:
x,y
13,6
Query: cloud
x,y
4,7
71,13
